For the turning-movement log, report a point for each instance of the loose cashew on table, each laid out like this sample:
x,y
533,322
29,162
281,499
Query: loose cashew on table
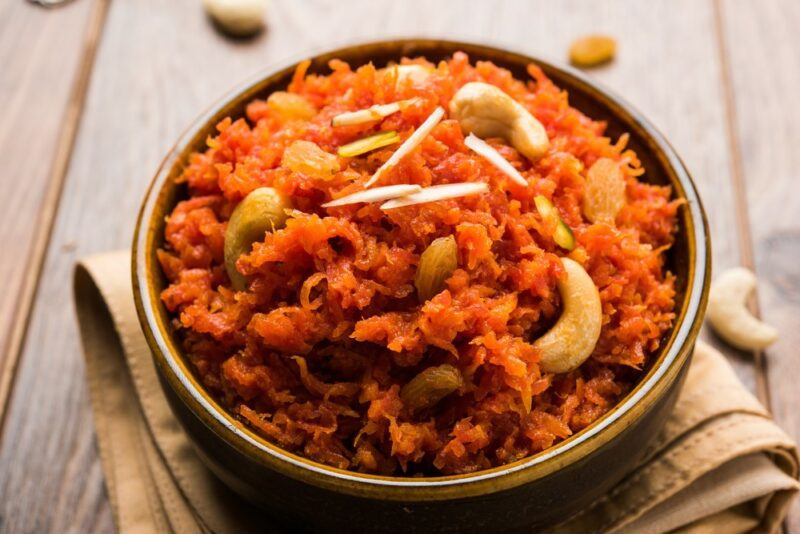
x,y
728,313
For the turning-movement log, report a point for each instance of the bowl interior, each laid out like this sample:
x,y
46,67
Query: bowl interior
x,y
688,259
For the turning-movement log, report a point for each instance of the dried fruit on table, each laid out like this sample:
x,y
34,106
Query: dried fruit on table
x,y
592,50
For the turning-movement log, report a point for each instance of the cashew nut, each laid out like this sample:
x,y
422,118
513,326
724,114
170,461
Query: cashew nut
x,y
261,211
487,111
572,339
239,18
728,313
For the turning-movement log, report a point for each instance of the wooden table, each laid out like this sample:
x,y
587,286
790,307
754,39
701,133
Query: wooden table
x,y
96,91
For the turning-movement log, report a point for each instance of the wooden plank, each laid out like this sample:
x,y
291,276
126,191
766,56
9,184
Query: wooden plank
x,y
680,93
160,63
764,55
40,54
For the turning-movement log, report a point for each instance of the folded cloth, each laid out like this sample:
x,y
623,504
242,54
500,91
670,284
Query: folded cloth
x,y
719,465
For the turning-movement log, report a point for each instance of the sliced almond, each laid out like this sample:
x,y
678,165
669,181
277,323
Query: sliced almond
x,y
482,148
374,195
409,144
372,113
437,192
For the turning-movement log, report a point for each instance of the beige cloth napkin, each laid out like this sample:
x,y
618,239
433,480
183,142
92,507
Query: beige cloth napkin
x,y
720,464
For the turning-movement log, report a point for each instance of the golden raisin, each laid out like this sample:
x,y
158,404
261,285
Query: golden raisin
x,y
430,386
436,264
307,158
604,194
262,211
290,106
592,50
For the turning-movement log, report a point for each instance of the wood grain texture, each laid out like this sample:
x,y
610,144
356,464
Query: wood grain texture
x,y
40,56
765,75
160,63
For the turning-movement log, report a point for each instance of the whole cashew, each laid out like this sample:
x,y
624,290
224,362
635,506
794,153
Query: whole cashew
x,y
262,210
572,339
728,313
487,111
239,18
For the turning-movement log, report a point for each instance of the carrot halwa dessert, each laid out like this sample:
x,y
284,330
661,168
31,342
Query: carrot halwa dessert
x,y
420,269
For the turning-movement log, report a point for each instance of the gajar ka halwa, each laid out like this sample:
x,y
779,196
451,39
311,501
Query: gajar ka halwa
x,y
420,269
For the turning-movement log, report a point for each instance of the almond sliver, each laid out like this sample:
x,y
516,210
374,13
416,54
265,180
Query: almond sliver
x,y
361,116
437,192
482,148
372,113
374,195
409,144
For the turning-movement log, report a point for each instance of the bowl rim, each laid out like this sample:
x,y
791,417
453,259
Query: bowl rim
x,y
673,355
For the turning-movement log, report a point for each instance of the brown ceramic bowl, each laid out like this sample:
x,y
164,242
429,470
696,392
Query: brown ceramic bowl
x,y
532,493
